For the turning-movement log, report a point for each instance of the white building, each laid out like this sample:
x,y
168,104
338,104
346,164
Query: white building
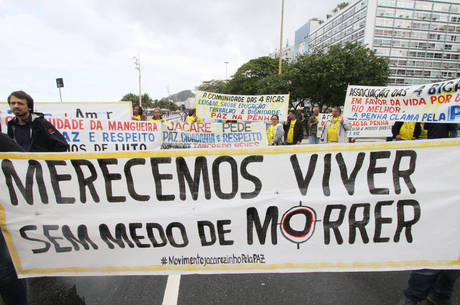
x,y
288,53
420,38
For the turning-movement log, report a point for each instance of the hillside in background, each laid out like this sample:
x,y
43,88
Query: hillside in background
x,y
180,96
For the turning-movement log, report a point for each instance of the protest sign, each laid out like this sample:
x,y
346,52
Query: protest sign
x,y
93,135
282,209
369,129
96,110
322,120
214,135
434,103
241,107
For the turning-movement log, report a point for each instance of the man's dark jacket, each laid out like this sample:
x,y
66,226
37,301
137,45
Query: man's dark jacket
x,y
440,130
44,137
298,131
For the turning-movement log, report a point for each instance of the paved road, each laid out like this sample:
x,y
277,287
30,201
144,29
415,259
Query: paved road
x,y
359,288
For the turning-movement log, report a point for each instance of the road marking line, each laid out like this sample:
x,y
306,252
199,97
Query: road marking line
x,y
172,290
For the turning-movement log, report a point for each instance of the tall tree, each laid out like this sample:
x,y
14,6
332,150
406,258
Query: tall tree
x,y
249,76
324,76
147,102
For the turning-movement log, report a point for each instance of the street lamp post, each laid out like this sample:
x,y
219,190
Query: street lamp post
x,y
137,63
280,70
226,69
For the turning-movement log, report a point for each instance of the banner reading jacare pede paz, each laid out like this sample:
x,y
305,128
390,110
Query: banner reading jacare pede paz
x,y
214,135
281,209
241,107
83,110
436,103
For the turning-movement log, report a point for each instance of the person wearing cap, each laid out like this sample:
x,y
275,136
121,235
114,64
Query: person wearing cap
x,y
30,129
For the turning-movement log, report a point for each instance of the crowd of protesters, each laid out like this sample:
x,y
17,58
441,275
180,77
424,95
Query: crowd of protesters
x,y
28,131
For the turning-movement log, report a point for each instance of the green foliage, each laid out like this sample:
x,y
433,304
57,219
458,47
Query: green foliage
x,y
249,76
147,102
322,77
163,103
342,5
214,85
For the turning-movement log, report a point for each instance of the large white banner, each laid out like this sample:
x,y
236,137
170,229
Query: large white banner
x,y
214,135
241,107
83,110
283,209
434,103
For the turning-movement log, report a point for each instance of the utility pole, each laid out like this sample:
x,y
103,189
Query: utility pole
x,y
281,38
226,69
137,63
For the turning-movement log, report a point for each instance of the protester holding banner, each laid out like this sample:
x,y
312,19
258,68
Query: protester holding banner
x,y
12,290
293,130
138,113
275,133
436,286
157,116
192,118
335,130
406,130
29,129
313,127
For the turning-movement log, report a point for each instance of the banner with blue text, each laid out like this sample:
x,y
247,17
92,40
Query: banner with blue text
x,y
433,103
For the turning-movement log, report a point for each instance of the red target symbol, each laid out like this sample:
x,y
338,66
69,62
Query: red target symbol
x,y
298,224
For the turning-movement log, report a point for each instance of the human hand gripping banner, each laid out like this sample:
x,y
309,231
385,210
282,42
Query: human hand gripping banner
x,y
241,107
387,206
433,103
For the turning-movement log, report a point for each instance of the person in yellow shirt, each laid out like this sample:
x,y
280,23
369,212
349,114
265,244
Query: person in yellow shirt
x,y
157,116
406,130
293,129
138,113
423,132
275,133
192,118
335,130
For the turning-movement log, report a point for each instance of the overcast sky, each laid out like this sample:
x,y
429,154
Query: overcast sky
x,y
181,43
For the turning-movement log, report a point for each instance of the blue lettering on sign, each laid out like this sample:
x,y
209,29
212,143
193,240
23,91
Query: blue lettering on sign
x,y
74,134
170,136
453,112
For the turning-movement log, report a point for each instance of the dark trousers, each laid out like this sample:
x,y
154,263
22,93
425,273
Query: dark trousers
x,y
439,284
